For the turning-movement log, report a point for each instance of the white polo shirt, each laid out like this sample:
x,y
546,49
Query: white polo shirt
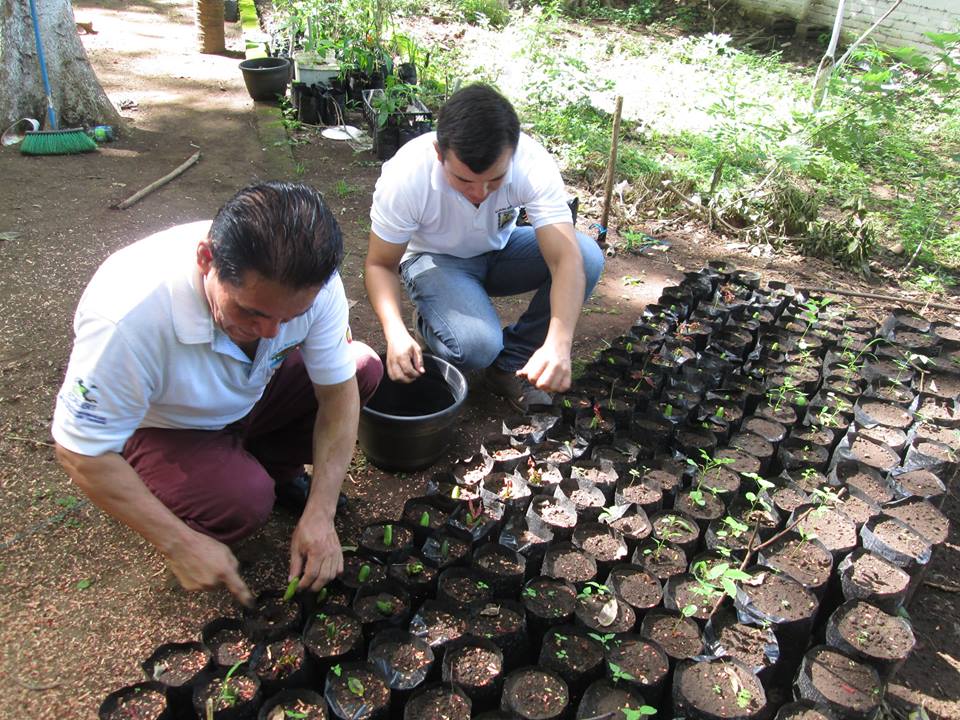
x,y
148,355
413,202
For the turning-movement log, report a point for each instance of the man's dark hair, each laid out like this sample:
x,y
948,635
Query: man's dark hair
x,y
478,124
283,231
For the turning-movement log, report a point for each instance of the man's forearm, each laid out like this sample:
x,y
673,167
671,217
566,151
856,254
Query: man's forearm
x,y
114,486
383,289
566,301
334,439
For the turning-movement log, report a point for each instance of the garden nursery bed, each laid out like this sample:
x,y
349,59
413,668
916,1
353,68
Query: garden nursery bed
x,y
725,517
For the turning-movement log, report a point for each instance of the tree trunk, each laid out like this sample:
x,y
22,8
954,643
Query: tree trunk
x,y
77,96
209,22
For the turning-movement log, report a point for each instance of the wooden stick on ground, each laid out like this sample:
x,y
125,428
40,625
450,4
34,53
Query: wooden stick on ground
x,y
192,160
611,168
884,298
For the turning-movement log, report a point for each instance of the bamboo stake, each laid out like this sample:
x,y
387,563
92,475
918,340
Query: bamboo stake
x,y
611,166
885,298
192,160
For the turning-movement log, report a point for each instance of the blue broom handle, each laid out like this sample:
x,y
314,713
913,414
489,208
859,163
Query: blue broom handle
x,y
43,66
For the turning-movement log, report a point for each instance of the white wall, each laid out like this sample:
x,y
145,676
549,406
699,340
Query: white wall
x,y
905,26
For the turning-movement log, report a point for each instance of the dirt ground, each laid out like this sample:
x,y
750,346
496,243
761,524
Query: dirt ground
x,y
82,599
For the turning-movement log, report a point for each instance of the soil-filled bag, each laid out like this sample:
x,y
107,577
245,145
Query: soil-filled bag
x,y
510,489
547,602
272,617
635,586
425,514
803,558
894,540
575,655
533,693
356,691
333,635
143,700
864,481
919,483
438,625
381,606
564,561
922,516
505,454
866,633
850,688
867,576
178,667
300,703
721,689
529,429
281,664
476,665
385,540
678,636
233,694
804,710
403,660
502,568
438,701
605,699
415,575
606,545
755,646
504,623
463,587
226,641
638,663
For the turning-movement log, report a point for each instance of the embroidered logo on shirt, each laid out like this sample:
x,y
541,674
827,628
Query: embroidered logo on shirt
x,y
278,357
505,217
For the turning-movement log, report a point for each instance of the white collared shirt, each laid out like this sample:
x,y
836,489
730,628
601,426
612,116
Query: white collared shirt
x,y
413,202
148,354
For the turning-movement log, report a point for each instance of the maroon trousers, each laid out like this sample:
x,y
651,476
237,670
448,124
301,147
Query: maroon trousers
x,y
222,482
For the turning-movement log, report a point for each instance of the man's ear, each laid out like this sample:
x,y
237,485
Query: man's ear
x,y
436,146
204,256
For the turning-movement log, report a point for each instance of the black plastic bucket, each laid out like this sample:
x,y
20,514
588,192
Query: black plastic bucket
x,y
406,427
266,78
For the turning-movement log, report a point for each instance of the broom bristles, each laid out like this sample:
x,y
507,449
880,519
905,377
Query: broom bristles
x,y
57,142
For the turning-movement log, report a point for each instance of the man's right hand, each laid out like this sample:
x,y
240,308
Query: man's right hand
x,y
404,358
206,564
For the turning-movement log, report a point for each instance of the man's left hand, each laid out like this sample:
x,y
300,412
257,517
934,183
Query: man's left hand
x,y
548,369
315,553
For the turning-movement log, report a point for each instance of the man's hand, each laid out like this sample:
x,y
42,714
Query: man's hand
x,y
205,564
404,357
315,553
548,369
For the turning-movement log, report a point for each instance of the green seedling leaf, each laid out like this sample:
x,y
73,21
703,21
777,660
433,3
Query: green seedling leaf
x,y
718,571
388,535
337,670
385,607
291,589
688,610
355,686
364,573
84,584
425,519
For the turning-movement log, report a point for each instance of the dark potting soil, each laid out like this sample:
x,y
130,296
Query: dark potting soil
x,y
636,587
428,395
808,479
836,531
787,499
892,437
464,590
532,694
178,666
643,660
474,667
678,636
330,635
496,622
813,435
710,506
374,607
784,416
687,591
443,549
806,562
645,492
887,414
438,625
746,643
921,483
300,709
358,692
564,652
901,538
404,658
720,480
497,563
604,547
661,561
605,613
585,498
867,576
845,683
603,699
280,659
552,513
869,483
872,633
438,703
374,537
230,646
412,573
675,528
718,688
139,704
778,596
226,693
633,526
870,453
922,516
804,710
858,509
272,616
753,444
743,462
548,598
570,564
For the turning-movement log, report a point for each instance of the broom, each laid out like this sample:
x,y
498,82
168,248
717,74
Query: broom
x,y
53,141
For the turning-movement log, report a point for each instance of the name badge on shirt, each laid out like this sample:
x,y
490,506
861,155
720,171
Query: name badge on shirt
x,y
505,217
278,357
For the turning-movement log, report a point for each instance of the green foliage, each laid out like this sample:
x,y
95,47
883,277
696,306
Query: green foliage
x,y
494,13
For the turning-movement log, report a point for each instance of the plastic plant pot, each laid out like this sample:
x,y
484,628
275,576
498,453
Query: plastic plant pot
x,y
178,667
534,693
356,690
266,78
146,700
299,703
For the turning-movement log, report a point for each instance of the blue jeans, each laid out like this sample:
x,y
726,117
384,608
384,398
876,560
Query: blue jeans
x,y
457,319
